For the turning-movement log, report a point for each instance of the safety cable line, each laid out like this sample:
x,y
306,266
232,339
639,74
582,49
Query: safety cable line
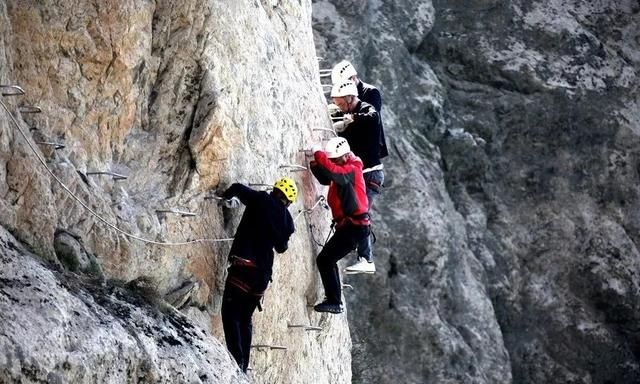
x,y
85,206
321,200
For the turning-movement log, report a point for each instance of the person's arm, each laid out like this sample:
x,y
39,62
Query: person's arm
x,y
375,99
318,173
282,245
340,174
246,195
368,116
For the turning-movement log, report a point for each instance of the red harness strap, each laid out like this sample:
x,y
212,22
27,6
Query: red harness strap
x,y
237,281
240,262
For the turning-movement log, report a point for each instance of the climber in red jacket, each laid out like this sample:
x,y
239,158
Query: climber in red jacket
x,y
347,198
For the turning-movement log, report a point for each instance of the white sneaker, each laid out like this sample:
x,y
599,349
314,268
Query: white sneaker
x,y
361,266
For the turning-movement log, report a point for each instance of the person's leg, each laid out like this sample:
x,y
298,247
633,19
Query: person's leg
x,y
338,246
373,181
246,329
230,322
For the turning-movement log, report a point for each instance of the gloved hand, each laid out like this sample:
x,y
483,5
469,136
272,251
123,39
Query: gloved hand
x,y
232,203
340,126
333,109
315,148
347,119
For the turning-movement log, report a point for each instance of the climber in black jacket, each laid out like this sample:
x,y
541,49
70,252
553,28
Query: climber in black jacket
x,y
368,93
362,129
266,224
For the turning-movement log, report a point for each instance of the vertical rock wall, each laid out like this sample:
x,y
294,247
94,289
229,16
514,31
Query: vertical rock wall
x,y
183,98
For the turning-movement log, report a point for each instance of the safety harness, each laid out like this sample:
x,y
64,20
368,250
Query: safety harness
x,y
238,282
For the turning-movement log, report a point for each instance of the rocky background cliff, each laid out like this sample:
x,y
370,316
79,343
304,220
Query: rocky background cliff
x,y
508,230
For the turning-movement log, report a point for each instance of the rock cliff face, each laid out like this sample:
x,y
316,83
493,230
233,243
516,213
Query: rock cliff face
x,y
507,232
183,97
506,235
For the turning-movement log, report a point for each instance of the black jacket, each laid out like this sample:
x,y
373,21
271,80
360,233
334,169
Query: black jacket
x,y
363,134
266,224
370,94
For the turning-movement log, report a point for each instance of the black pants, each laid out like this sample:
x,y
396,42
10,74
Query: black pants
x,y
237,310
339,245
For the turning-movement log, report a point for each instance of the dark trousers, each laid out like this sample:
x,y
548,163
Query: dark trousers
x,y
237,310
373,181
339,245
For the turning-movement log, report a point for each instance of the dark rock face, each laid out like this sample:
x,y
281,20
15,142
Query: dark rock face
x,y
507,238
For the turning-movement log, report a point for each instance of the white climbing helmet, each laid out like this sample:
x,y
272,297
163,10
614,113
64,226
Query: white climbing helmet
x,y
342,71
344,88
336,147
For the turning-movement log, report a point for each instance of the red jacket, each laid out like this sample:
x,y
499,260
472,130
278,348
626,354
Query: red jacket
x,y
347,196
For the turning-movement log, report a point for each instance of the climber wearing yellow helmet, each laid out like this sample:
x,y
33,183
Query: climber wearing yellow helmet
x,y
266,224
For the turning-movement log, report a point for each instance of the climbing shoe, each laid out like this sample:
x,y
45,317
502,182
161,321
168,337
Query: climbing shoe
x,y
326,306
361,266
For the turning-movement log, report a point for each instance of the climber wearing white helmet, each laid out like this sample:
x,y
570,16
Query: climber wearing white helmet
x,y
362,129
344,70
347,198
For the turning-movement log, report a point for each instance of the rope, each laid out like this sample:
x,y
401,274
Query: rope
x,y
92,212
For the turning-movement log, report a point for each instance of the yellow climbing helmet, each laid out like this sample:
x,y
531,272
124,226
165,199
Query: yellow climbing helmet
x,y
287,187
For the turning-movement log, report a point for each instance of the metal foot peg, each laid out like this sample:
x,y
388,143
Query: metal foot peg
x,y
116,176
51,144
294,167
261,185
11,90
304,327
269,346
29,109
177,212
326,130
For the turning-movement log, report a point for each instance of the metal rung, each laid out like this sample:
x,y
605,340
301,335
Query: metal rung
x,y
294,167
280,347
261,185
337,118
305,327
29,109
319,201
51,144
325,75
326,129
116,176
349,286
213,197
327,86
15,90
322,201
177,212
